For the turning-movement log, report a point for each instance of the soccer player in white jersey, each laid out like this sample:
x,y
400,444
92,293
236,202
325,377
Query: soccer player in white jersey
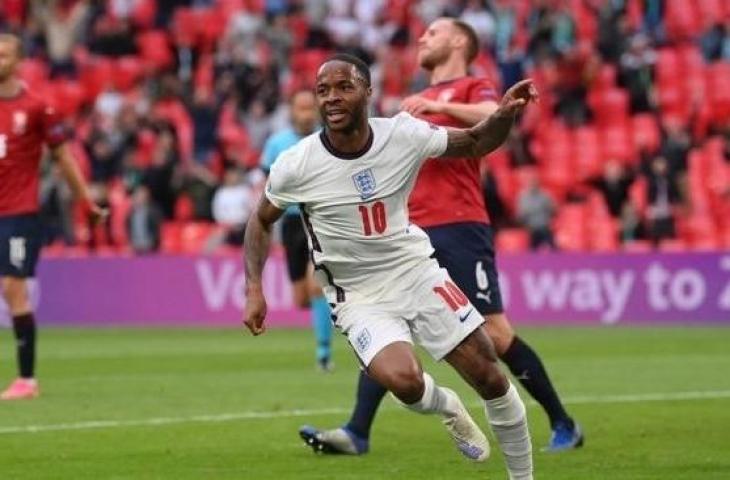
x,y
352,181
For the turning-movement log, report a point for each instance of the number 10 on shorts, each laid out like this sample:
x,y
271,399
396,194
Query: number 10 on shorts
x,y
451,294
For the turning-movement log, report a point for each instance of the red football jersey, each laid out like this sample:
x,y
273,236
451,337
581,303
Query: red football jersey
x,y
26,123
450,191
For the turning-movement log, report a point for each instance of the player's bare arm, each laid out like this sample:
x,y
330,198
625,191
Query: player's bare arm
x,y
490,133
469,113
256,247
69,169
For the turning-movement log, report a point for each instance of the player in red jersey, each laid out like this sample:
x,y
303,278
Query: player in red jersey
x,y
447,202
26,124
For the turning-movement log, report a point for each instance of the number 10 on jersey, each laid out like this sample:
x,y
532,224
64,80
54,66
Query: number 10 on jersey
x,y
374,218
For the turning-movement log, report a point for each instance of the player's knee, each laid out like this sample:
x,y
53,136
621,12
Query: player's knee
x,y
490,382
407,384
500,332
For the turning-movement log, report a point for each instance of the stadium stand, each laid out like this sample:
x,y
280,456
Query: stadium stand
x,y
171,93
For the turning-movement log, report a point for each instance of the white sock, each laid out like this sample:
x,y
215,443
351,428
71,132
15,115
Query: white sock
x,y
508,419
434,400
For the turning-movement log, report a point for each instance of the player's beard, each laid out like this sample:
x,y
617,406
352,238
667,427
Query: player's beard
x,y
433,58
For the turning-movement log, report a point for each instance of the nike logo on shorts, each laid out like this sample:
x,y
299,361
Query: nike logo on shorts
x,y
462,318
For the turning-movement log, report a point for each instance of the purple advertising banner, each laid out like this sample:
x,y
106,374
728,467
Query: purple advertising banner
x,y
579,289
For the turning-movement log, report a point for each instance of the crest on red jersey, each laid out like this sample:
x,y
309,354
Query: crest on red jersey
x,y
20,122
446,95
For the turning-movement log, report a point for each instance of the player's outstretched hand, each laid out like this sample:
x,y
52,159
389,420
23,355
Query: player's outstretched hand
x,y
416,105
255,312
518,96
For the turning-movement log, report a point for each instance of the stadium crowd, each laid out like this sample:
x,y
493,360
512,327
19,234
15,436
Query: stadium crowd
x,y
170,102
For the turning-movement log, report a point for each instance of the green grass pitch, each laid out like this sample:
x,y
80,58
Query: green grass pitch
x,y
218,404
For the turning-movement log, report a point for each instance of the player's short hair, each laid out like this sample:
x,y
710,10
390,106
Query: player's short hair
x,y
472,40
12,38
361,66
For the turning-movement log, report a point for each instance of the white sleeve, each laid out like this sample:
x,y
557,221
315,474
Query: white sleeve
x,y
430,140
281,187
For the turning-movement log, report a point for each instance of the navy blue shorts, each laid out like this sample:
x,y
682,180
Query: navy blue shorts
x,y
466,251
21,238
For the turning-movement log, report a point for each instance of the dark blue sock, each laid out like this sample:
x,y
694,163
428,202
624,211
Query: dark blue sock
x,y
369,395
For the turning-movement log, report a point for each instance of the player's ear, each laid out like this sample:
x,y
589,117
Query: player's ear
x,y
369,91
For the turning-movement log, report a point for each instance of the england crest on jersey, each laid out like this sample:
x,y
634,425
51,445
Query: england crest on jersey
x,y
365,183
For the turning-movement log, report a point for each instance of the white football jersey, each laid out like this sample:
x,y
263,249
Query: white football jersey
x,y
355,206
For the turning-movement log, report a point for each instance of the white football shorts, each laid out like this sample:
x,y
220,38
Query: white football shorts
x,y
425,305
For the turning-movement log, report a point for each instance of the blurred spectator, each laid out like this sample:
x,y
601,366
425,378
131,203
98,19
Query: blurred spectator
x,y
614,185
635,72
184,106
144,222
632,227
495,206
715,42
477,14
204,112
158,177
56,208
99,231
535,210
613,28
61,22
234,201
576,68
662,197
676,143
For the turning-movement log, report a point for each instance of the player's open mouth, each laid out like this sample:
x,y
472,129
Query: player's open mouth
x,y
335,116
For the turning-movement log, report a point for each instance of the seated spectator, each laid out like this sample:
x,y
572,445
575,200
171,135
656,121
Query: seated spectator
x,y
143,222
233,203
632,227
614,185
635,72
662,197
61,23
535,210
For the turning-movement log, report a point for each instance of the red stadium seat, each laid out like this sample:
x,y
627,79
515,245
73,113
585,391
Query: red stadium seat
x,y
638,246
667,66
604,235
586,153
702,232
170,241
513,240
725,237
570,227
646,132
718,91
68,97
710,9
155,49
128,70
185,26
673,245
681,19
610,107
605,79
96,75
617,144
194,236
